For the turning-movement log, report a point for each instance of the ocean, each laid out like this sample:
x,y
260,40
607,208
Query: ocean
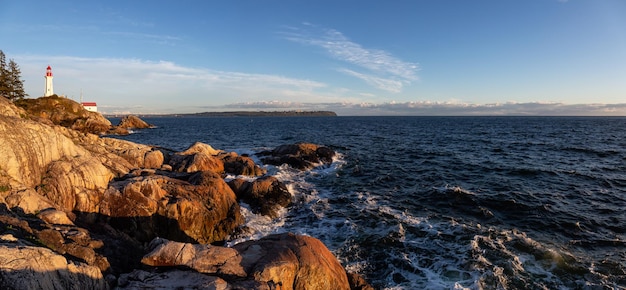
x,y
445,202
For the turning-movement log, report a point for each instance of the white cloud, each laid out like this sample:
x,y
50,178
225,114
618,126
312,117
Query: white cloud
x,y
159,86
140,86
389,85
430,108
387,67
152,38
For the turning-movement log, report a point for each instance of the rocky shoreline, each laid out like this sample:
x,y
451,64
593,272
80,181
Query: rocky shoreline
x,y
83,211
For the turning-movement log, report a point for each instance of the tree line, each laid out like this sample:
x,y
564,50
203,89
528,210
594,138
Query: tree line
x,y
11,84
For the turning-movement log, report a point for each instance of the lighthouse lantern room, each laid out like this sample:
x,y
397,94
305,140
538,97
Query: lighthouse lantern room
x,y
49,91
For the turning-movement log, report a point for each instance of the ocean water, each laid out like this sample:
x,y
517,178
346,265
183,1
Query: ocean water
x,y
445,202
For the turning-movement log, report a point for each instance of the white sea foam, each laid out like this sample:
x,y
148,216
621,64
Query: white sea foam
x,y
306,199
423,253
258,225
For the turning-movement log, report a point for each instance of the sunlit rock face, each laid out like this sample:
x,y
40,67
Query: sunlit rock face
x,y
133,122
201,209
282,261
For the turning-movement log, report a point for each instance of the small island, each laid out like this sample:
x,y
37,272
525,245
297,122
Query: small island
x,y
266,114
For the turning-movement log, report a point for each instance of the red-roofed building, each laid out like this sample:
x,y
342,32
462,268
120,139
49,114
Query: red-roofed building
x,y
90,106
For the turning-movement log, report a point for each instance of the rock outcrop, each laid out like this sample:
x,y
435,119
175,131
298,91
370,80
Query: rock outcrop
x,y
265,195
202,157
70,114
300,155
30,267
201,209
196,159
293,262
21,252
240,165
133,122
67,113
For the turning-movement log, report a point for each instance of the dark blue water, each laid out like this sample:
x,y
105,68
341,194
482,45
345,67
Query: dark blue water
x,y
447,202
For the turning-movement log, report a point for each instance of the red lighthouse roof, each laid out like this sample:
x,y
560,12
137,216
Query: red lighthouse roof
x,y
49,71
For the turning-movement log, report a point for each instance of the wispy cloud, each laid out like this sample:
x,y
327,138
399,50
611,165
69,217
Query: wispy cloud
x,y
119,82
381,66
389,85
152,38
430,108
121,85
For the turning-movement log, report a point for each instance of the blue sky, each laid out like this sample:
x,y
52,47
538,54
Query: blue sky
x,y
445,57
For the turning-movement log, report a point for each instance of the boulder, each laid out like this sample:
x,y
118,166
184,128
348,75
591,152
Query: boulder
x,y
54,217
203,209
196,162
199,147
293,261
202,258
153,159
27,200
240,165
300,155
133,122
265,195
93,123
282,261
198,157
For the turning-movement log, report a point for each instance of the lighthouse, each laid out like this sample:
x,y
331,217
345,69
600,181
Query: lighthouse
x,y
49,91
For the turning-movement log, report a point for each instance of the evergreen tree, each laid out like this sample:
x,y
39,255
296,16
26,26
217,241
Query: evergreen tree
x,y
4,76
11,84
15,82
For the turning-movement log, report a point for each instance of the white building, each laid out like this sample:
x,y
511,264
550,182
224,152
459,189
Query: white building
x,y
90,106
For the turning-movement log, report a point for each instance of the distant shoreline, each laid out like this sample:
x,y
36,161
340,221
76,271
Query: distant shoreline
x,y
237,114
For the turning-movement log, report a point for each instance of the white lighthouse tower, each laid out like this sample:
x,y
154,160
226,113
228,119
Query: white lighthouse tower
x,y
49,91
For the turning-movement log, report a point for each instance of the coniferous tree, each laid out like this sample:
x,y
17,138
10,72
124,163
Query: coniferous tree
x,y
11,84
15,82
4,76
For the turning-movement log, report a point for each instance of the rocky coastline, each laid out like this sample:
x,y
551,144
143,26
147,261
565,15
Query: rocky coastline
x,y
79,210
